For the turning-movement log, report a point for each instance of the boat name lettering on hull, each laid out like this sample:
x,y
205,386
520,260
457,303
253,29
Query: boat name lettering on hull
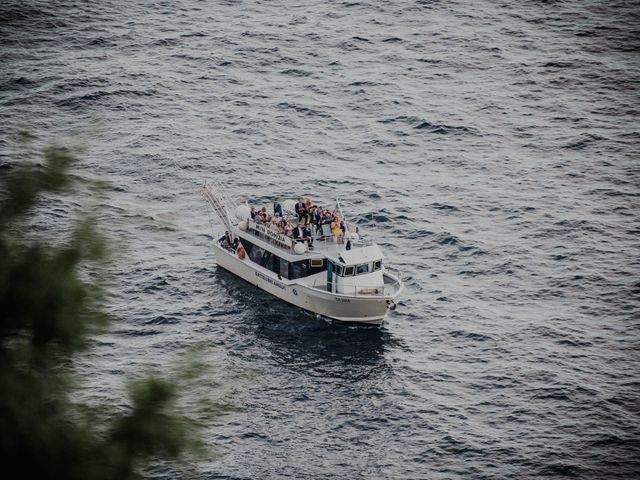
x,y
270,280
344,300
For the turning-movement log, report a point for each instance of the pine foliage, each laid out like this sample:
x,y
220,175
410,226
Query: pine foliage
x,y
49,308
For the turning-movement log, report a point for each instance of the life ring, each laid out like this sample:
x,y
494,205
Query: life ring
x,y
369,291
240,252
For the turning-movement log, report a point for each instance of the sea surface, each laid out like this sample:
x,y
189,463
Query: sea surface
x,y
491,148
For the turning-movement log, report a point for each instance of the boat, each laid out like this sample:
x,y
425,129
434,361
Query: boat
x,y
335,276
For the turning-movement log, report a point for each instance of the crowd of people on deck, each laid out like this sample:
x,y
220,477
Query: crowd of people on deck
x,y
309,222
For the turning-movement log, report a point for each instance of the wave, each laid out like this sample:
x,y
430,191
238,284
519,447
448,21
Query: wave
x,y
478,337
296,72
424,125
583,141
303,110
78,100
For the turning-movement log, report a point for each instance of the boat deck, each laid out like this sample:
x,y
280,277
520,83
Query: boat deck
x,y
322,246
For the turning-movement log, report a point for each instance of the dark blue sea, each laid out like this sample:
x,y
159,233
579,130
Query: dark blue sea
x,y
491,148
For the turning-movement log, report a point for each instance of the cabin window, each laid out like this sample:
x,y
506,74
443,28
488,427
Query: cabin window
x,y
284,268
256,254
316,265
348,271
362,268
377,265
265,258
247,246
269,260
339,270
298,269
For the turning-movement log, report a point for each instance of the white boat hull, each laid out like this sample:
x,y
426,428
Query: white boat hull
x,y
346,308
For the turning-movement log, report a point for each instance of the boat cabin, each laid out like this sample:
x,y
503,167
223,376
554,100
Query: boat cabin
x,y
350,272
357,271
281,262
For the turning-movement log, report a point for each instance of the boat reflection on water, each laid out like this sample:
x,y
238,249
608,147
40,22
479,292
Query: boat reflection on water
x,y
312,344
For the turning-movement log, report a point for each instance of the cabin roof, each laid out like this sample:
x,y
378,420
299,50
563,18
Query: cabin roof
x,y
361,255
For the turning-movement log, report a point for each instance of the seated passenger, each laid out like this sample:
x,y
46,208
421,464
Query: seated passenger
x,y
253,212
302,234
275,224
288,229
261,216
225,240
240,252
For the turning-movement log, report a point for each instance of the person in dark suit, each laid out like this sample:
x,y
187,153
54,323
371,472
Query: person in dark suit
x,y
277,208
300,209
302,234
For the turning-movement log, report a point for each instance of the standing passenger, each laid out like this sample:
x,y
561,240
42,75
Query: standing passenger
x,y
300,208
306,218
277,208
315,216
336,230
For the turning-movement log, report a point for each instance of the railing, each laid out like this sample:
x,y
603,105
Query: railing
x,y
361,290
393,272
266,233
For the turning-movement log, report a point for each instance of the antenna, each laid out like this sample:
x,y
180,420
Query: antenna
x,y
348,234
